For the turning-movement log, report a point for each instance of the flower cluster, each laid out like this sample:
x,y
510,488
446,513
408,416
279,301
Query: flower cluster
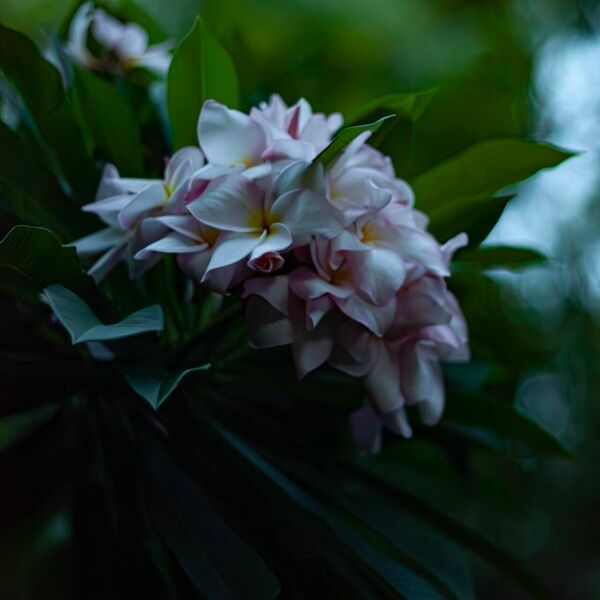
x,y
117,47
334,262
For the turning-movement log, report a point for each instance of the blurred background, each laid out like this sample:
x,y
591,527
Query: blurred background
x,y
526,68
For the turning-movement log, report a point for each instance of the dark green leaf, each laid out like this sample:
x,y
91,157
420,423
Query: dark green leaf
x,y
201,70
487,257
411,105
110,120
344,137
41,86
484,169
84,326
485,413
216,560
423,478
29,191
156,386
432,555
395,136
37,254
475,215
377,564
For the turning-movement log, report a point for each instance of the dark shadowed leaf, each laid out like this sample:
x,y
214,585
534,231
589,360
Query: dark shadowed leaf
x,y
486,414
37,254
484,169
41,86
110,121
217,561
29,191
394,137
344,137
487,257
475,215
201,70
155,385
366,551
84,326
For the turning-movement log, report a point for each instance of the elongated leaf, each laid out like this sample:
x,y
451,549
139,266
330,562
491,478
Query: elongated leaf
x,y
84,326
41,86
432,555
395,136
411,104
216,560
483,169
391,576
156,386
402,480
37,254
344,137
110,120
487,257
484,413
475,215
201,70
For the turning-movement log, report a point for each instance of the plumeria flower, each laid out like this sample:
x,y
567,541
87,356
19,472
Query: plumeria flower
x,y
124,46
336,264
125,203
362,180
258,225
271,133
294,132
276,317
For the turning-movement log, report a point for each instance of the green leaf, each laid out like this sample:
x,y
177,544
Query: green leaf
x,y
433,556
110,120
488,257
201,70
84,326
216,560
156,386
41,86
29,190
380,567
484,169
394,138
344,137
420,476
411,105
37,254
486,414
475,215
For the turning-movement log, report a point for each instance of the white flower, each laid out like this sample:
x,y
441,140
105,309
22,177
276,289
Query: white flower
x,y
124,46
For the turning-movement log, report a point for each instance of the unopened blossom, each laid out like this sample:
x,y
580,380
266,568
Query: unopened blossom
x,y
124,46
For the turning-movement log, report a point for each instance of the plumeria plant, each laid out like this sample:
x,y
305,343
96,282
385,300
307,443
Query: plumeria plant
x,y
235,319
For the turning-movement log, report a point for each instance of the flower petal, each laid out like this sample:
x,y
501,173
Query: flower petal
x,y
422,380
99,241
229,137
277,239
365,425
307,215
267,327
383,381
150,197
230,203
231,248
